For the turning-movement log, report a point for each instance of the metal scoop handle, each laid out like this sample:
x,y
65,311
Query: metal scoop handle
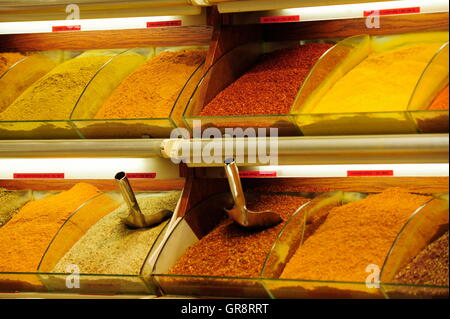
x,y
136,218
232,172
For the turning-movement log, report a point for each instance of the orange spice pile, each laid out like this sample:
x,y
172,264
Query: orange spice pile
x,y
353,236
24,239
152,90
231,250
441,101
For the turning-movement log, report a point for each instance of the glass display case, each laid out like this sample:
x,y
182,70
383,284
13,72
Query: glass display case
x,y
340,60
422,229
329,159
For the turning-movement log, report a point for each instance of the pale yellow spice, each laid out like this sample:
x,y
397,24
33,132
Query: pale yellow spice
x,y
54,96
382,82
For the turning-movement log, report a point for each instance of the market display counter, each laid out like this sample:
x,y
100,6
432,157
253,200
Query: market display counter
x,y
349,103
204,254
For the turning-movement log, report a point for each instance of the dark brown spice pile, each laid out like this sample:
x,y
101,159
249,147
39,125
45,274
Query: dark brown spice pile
x,y
429,267
270,86
230,250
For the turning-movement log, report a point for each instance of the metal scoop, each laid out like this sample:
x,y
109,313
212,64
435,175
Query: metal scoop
x,y
239,212
136,219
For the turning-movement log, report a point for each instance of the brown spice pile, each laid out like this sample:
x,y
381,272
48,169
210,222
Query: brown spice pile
x,y
8,59
429,267
230,250
152,90
353,236
269,87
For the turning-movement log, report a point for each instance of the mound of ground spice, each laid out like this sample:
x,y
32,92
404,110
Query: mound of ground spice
x,y
270,86
354,236
152,90
441,101
110,247
429,267
230,250
24,239
10,203
8,59
54,96
382,82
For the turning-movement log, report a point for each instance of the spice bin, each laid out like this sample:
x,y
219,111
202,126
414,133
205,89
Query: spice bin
x,y
90,124
207,219
336,65
32,228
58,92
425,227
24,73
433,80
238,70
95,238
301,227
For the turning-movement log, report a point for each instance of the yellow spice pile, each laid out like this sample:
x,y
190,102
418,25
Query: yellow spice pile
x,y
8,59
54,96
382,82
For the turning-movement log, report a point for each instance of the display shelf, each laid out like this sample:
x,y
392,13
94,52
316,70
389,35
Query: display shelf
x,y
357,163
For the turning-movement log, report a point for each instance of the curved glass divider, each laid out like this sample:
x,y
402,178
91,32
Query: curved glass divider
x,y
423,228
106,80
96,283
227,69
333,64
83,117
301,226
196,224
433,79
291,236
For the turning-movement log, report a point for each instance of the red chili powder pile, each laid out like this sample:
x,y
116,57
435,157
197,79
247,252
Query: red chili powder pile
x,y
441,101
231,250
270,86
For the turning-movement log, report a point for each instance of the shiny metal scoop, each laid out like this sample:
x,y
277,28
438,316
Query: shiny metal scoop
x,y
239,212
136,219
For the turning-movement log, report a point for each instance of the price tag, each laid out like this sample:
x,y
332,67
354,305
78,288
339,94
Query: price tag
x,y
38,175
280,19
160,24
141,175
258,174
386,12
66,28
371,173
